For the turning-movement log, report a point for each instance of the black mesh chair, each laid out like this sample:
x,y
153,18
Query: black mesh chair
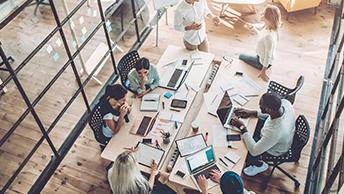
x,y
96,122
126,64
301,136
285,92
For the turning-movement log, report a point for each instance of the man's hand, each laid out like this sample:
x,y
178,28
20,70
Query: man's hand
x,y
236,122
202,183
244,113
215,175
263,75
216,20
193,26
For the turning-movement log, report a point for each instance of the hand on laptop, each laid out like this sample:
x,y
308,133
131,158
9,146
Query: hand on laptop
x,y
202,183
244,113
215,175
236,122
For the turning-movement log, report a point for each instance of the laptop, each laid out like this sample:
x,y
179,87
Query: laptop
x,y
175,74
201,163
225,111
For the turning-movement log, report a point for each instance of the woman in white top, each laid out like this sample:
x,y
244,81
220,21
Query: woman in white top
x,y
267,41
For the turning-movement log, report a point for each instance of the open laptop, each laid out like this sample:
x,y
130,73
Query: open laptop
x,y
201,163
175,74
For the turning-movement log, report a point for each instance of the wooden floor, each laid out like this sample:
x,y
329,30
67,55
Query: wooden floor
x,y
302,50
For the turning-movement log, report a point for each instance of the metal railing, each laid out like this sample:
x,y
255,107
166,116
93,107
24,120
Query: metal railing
x,y
325,167
60,153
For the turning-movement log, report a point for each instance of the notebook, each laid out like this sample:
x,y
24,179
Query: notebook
x,y
150,102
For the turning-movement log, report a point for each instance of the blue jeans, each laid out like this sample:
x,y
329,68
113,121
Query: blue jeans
x,y
252,60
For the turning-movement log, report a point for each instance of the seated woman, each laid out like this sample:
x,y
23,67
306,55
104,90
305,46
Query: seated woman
x,y
125,177
114,109
230,183
143,78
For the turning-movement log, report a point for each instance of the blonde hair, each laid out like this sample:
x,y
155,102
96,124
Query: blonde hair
x,y
272,15
126,178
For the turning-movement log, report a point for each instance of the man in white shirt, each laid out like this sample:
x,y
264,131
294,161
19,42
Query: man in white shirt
x,y
273,134
189,18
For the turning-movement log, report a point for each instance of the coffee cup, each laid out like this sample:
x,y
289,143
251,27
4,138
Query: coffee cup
x,y
195,126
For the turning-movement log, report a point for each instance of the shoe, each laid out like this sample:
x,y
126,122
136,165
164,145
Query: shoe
x,y
254,170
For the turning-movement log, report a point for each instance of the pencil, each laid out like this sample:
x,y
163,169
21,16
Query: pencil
x,y
214,99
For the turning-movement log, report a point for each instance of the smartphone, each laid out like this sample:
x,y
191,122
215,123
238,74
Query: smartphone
x,y
184,62
234,137
180,174
176,103
147,140
239,73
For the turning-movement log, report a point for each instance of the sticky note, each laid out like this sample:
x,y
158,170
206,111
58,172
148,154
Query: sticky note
x,y
84,30
81,20
58,42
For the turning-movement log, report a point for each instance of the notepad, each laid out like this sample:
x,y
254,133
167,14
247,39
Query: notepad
x,y
232,157
145,154
150,102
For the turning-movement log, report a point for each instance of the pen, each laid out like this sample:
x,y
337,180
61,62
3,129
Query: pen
x,y
253,95
229,159
176,124
214,99
172,109
157,144
163,105
223,162
206,136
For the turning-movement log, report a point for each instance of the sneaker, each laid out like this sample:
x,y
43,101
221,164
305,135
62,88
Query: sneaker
x,y
254,170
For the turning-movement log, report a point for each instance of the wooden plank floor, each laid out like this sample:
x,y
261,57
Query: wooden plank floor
x,y
302,50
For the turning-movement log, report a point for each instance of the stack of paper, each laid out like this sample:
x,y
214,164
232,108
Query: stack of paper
x,y
150,102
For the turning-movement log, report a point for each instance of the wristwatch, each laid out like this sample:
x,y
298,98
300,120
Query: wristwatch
x,y
243,129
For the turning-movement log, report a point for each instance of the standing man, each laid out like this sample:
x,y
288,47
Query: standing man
x,y
189,18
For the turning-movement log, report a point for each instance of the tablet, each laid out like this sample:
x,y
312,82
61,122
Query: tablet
x,y
145,154
189,145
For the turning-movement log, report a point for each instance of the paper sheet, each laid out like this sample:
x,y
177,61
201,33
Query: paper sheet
x,y
219,136
247,86
212,101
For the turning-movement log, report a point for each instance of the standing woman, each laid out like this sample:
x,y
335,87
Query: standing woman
x,y
114,109
143,78
267,42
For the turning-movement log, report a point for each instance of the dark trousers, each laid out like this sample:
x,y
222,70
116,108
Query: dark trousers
x,y
252,60
158,187
254,160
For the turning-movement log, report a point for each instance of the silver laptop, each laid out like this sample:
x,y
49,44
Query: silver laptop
x,y
201,163
175,74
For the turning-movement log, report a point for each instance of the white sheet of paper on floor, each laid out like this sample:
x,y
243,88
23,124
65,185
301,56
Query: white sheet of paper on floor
x,y
89,11
95,13
84,30
81,20
58,42
49,48
82,39
74,44
219,136
72,25
56,56
232,156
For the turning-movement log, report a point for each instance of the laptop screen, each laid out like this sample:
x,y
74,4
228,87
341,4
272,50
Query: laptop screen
x,y
224,108
200,159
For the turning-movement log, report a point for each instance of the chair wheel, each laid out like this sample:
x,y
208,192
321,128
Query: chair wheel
x,y
297,184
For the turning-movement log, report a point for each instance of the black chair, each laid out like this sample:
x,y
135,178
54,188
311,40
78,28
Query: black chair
x,y
301,136
96,122
126,64
285,92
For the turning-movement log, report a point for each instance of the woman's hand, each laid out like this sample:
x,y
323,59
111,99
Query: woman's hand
x,y
123,110
216,20
263,75
154,168
202,183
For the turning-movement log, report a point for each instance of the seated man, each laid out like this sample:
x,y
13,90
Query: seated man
x,y
230,183
273,134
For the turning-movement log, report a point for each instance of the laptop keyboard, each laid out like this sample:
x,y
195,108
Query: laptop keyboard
x,y
174,78
206,172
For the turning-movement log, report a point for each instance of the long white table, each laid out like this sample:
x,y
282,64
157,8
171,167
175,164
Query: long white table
x,y
125,139
207,121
